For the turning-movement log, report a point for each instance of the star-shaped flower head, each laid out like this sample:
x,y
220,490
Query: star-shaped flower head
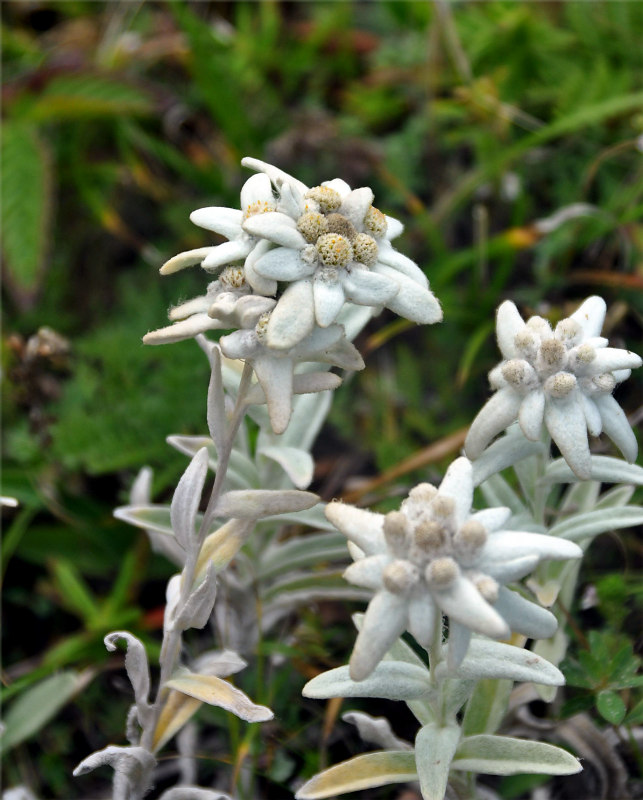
x,y
275,368
563,378
256,198
433,557
332,246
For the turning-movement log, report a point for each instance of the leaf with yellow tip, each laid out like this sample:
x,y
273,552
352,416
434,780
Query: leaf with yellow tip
x,y
362,772
221,546
217,692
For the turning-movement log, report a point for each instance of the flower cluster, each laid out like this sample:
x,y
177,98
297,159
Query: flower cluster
x,y
293,258
563,377
435,557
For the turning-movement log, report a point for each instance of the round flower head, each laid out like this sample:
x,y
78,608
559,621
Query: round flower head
x,y
563,378
332,245
433,557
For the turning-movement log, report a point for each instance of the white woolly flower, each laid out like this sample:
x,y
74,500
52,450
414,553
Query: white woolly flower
x,y
563,378
256,199
275,368
193,317
435,557
333,245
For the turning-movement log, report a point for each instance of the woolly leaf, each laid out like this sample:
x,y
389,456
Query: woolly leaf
x,y
583,526
604,469
390,680
504,755
434,750
217,692
362,772
178,709
257,503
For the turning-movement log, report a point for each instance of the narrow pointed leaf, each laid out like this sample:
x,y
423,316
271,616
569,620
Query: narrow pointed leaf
x,y
178,709
187,497
221,546
583,526
216,401
390,680
489,659
296,463
217,692
257,503
362,772
604,469
503,755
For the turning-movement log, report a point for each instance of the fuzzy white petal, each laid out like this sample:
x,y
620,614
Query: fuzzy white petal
x,y
509,571
367,288
459,638
412,301
276,175
328,298
524,616
464,603
393,228
339,186
184,329
621,375
613,358
509,545
364,528
590,315
240,344
531,414
257,189
384,621
565,422
293,317
226,253
275,377
423,616
496,415
187,259
367,572
508,324
616,426
197,305
277,227
224,221
492,519
592,416
458,484
388,255
355,205
283,264
260,284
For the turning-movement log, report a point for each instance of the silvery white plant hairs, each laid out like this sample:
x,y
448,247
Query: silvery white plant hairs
x,y
312,258
302,272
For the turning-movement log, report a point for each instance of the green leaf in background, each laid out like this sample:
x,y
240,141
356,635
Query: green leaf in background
x,y
611,707
79,96
26,206
36,706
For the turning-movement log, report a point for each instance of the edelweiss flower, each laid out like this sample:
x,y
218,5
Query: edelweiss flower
x,y
275,368
434,556
332,246
192,317
256,199
562,377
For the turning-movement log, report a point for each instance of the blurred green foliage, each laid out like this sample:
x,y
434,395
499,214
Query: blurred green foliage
x,y
471,121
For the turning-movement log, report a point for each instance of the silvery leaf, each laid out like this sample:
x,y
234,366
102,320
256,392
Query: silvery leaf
x,y
489,659
308,414
296,463
435,747
154,518
618,496
219,662
198,607
193,793
308,383
582,526
497,492
390,680
176,712
312,549
503,453
141,491
132,766
503,755
362,772
222,545
187,497
376,730
216,401
257,503
217,692
604,469
137,668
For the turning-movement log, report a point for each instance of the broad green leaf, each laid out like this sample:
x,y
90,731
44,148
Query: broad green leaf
x,y
435,747
82,95
582,526
33,709
217,692
504,755
611,707
635,717
153,517
74,591
26,204
604,469
391,680
178,709
362,772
